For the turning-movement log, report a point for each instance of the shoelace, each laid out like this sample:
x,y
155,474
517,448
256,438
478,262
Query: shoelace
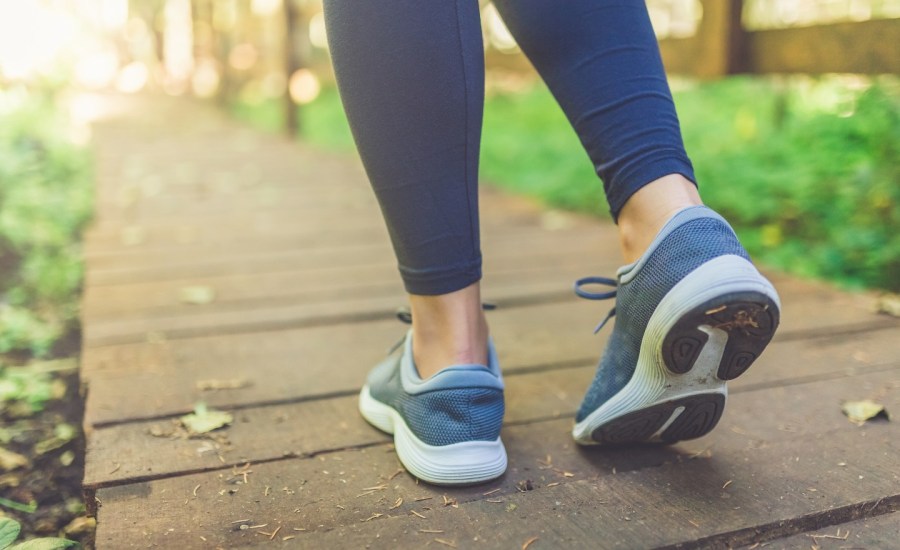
x,y
597,295
404,315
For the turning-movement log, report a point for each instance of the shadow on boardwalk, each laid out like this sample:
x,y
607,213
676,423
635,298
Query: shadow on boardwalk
x,y
284,247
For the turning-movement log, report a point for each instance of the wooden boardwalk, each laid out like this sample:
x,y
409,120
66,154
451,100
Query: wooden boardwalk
x,y
290,242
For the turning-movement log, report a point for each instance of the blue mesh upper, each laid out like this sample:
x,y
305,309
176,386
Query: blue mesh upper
x,y
683,250
451,416
442,416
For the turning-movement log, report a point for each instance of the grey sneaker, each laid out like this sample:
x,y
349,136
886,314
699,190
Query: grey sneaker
x,y
447,428
691,313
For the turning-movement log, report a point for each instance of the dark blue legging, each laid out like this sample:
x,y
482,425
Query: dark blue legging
x,y
411,78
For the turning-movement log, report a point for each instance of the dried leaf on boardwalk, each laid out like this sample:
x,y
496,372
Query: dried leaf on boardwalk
x,y
204,419
860,411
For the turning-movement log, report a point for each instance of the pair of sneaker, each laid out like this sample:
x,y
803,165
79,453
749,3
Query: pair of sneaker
x,y
691,313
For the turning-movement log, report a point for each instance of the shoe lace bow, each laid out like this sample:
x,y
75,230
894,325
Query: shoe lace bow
x,y
582,293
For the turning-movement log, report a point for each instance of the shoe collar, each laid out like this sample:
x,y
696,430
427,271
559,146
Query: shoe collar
x,y
628,272
454,377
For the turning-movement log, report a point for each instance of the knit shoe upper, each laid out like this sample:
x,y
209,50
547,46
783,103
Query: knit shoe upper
x,y
458,404
691,238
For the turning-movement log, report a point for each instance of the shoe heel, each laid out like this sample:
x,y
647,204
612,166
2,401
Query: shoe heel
x,y
749,320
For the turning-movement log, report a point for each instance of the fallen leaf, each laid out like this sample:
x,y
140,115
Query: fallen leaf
x,y
62,434
10,461
888,303
44,544
9,531
80,526
860,411
65,431
197,295
204,420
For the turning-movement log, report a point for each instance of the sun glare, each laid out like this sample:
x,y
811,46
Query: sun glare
x,y
33,37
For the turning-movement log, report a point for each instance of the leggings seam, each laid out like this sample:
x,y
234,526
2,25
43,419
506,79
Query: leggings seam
x,y
462,58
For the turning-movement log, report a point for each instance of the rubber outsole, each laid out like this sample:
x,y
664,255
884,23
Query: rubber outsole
x,y
708,329
749,318
698,415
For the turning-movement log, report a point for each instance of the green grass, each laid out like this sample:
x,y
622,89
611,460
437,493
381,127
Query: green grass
x,y
807,171
45,202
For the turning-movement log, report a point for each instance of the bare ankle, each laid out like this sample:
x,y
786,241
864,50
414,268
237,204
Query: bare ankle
x,y
449,329
645,212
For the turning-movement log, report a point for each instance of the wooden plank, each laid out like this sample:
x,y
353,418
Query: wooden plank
x,y
221,198
356,302
165,266
140,380
511,222
148,298
185,240
728,488
328,307
868,47
871,532
218,262
238,232
259,436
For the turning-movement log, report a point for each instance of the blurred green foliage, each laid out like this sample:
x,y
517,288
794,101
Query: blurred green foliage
x,y
809,173
807,170
24,391
45,202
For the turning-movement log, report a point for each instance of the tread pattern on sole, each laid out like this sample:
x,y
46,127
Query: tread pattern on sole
x,y
749,318
698,416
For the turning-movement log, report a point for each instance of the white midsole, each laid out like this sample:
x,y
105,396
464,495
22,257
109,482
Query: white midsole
x,y
652,382
461,463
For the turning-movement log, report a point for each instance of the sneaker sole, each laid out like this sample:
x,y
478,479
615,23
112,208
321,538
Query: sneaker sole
x,y
708,329
464,463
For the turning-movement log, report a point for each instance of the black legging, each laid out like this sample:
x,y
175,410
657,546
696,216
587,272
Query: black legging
x,y
411,78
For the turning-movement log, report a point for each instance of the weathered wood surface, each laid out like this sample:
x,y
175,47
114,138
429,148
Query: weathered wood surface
x,y
165,375
290,240
130,452
790,485
868,533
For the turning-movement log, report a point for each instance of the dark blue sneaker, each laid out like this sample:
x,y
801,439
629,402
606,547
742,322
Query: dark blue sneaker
x,y
447,428
691,313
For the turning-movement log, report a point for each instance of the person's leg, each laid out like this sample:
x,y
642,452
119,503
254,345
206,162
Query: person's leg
x,y
411,78
601,60
649,208
691,310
